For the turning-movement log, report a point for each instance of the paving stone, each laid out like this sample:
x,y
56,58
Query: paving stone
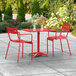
x,y
62,64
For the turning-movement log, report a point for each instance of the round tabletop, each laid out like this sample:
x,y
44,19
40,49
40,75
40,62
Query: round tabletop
x,y
39,30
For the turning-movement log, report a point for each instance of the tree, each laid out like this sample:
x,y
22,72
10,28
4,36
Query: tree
x,y
35,8
46,8
8,11
0,16
21,11
2,5
69,5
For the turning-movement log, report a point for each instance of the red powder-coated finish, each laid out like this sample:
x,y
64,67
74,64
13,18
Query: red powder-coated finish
x,y
14,31
38,39
65,28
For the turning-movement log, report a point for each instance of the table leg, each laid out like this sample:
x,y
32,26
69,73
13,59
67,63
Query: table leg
x,y
38,47
38,42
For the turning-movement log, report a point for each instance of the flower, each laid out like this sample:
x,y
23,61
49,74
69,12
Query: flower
x,y
34,22
42,21
52,22
52,14
57,13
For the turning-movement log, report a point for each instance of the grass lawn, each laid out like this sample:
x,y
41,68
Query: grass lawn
x,y
74,33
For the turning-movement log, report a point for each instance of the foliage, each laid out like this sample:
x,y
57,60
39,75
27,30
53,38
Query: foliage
x,y
14,22
21,25
2,5
55,5
74,30
36,16
42,20
38,20
21,12
74,8
45,8
25,25
14,4
0,16
8,12
52,22
69,5
28,6
35,8
56,21
63,11
3,26
34,19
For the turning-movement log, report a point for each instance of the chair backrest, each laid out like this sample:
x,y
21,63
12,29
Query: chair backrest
x,y
12,31
65,28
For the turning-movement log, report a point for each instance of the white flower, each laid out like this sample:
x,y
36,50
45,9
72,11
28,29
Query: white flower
x,y
50,18
47,24
63,19
57,13
51,22
54,18
47,21
68,17
52,14
65,16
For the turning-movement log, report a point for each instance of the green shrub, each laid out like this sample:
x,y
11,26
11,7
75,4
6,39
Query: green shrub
x,y
14,22
35,8
74,32
42,21
0,16
34,19
45,9
3,26
8,11
73,27
25,25
69,5
21,11
63,11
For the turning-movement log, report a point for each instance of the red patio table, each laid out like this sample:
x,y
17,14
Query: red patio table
x,y
38,39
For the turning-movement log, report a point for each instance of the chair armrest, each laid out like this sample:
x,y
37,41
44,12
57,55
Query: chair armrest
x,y
58,30
28,34
25,34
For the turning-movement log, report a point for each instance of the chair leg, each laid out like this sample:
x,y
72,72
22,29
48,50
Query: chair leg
x,y
52,48
47,46
61,45
32,52
7,50
68,46
18,53
22,49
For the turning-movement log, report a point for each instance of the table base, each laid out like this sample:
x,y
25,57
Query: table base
x,y
38,53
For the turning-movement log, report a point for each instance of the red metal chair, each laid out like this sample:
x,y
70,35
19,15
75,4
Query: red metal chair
x,y
65,28
19,40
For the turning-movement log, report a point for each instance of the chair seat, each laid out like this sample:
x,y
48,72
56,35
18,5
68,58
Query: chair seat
x,y
22,41
56,37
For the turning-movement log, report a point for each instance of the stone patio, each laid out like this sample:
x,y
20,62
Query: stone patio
x,y
62,64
